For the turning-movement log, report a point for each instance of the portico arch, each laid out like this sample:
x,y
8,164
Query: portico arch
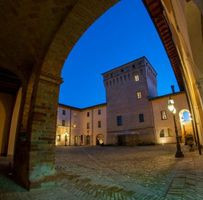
x,y
40,55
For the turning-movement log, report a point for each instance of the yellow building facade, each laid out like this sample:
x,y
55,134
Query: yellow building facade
x,y
76,126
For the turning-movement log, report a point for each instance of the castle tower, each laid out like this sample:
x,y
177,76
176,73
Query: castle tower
x,y
129,112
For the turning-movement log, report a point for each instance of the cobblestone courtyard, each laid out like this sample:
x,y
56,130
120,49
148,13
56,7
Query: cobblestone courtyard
x,y
149,172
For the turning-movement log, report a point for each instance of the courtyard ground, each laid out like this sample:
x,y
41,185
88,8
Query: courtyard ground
x,y
123,173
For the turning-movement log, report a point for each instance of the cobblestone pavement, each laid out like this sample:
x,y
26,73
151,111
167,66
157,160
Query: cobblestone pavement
x,y
123,173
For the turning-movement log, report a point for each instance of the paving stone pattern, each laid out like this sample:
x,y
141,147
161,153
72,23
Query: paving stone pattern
x,y
118,173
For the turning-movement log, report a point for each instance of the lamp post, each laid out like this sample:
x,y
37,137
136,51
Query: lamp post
x,y
171,108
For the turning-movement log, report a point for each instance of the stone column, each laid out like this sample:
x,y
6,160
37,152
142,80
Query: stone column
x,y
200,87
36,161
43,131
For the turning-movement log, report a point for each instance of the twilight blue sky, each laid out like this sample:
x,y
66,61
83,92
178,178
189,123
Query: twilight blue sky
x,y
124,33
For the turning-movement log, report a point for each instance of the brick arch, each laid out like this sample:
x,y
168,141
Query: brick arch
x,y
36,139
84,13
39,158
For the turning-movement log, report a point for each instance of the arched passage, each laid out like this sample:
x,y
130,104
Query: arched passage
x,y
42,55
2,123
10,103
186,123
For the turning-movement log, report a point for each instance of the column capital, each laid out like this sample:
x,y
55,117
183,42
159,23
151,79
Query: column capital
x,y
48,77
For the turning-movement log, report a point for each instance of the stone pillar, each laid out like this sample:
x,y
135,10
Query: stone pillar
x,y
43,131
200,87
36,164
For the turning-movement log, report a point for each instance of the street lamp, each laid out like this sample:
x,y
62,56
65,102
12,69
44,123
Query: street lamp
x,y
172,109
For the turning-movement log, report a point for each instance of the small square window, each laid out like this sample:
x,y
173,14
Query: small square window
x,y
63,122
99,124
99,112
88,114
163,115
63,112
139,95
141,117
137,77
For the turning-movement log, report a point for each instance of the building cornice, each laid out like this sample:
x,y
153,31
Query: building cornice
x,y
166,95
81,109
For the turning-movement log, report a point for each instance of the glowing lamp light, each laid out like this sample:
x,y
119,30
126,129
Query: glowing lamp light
x,y
174,111
171,105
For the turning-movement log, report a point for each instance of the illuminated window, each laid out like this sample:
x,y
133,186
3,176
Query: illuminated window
x,y
88,125
137,78
139,95
163,115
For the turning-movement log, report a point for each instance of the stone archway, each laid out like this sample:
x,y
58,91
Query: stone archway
x,y
39,53
42,96
186,123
